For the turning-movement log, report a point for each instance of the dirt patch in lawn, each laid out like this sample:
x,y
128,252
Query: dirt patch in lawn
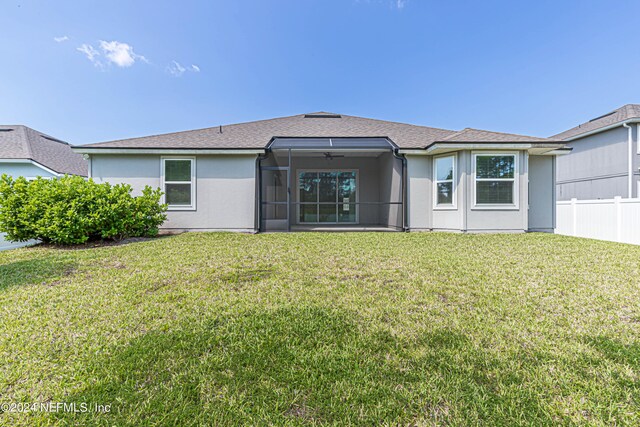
x,y
99,243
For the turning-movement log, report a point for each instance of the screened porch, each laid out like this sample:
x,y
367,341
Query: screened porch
x,y
316,184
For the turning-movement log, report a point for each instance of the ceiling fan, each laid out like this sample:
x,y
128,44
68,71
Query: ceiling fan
x,y
330,156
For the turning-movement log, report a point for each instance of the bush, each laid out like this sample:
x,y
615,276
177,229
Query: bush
x,y
72,210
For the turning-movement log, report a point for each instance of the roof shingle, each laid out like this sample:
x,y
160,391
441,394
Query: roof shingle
x,y
626,112
256,135
22,142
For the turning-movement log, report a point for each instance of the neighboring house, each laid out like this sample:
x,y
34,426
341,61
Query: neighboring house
x,y
605,158
29,153
331,171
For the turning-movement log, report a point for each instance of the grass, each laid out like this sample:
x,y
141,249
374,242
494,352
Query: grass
x,y
305,329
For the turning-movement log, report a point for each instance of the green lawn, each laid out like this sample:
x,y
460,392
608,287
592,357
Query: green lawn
x,y
302,329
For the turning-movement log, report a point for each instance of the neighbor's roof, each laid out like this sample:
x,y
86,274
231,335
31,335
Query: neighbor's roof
x,y
626,112
256,135
21,142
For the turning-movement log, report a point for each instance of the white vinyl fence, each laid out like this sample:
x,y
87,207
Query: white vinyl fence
x,y
616,220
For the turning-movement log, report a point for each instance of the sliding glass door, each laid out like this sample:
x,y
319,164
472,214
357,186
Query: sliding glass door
x,y
327,197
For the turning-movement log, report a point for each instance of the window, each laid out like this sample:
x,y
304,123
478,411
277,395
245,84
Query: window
x,y
496,180
178,176
328,196
444,173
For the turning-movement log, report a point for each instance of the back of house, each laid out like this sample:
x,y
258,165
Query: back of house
x,y
327,171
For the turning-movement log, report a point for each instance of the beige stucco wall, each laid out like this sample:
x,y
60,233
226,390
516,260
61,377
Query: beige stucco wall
x,y
419,192
465,216
542,193
226,191
225,188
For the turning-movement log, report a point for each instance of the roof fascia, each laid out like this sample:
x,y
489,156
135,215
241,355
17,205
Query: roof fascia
x,y
31,162
603,129
220,151
438,148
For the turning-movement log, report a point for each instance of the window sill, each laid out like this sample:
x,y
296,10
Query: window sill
x,y
495,208
445,208
181,208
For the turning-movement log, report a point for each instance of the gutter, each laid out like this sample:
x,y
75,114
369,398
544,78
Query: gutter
x,y
552,148
220,151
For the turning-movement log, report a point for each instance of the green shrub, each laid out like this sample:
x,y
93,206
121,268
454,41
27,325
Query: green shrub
x,y
72,210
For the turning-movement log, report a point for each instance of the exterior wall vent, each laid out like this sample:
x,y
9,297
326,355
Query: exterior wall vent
x,y
322,116
53,139
603,116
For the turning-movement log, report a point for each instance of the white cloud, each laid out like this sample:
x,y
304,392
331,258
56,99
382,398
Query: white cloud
x,y
120,54
91,54
392,4
113,52
61,39
176,69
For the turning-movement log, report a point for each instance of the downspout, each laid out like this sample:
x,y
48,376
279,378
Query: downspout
x,y
630,160
403,159
87,157
258,215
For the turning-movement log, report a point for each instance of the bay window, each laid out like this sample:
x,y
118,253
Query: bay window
x,y
496,178
444,177
178,183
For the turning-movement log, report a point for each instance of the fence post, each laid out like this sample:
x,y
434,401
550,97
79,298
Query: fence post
x,y
574,216
618,205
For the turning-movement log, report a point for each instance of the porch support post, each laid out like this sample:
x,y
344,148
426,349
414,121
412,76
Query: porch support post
x,y
403,180
289,192
258,218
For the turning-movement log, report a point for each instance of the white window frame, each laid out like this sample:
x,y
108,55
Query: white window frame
x,y
515,180
454,197
192,206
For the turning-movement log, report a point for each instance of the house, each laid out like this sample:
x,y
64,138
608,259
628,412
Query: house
x,y
29,153
605,158
326,171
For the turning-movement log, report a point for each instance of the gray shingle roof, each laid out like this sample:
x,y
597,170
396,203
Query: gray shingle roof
x,y
626,112
21,142
256,135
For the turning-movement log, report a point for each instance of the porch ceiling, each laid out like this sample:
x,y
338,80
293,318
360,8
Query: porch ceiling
x,y
340,153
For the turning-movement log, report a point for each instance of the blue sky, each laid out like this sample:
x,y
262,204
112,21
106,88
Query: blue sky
x,y
536,67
